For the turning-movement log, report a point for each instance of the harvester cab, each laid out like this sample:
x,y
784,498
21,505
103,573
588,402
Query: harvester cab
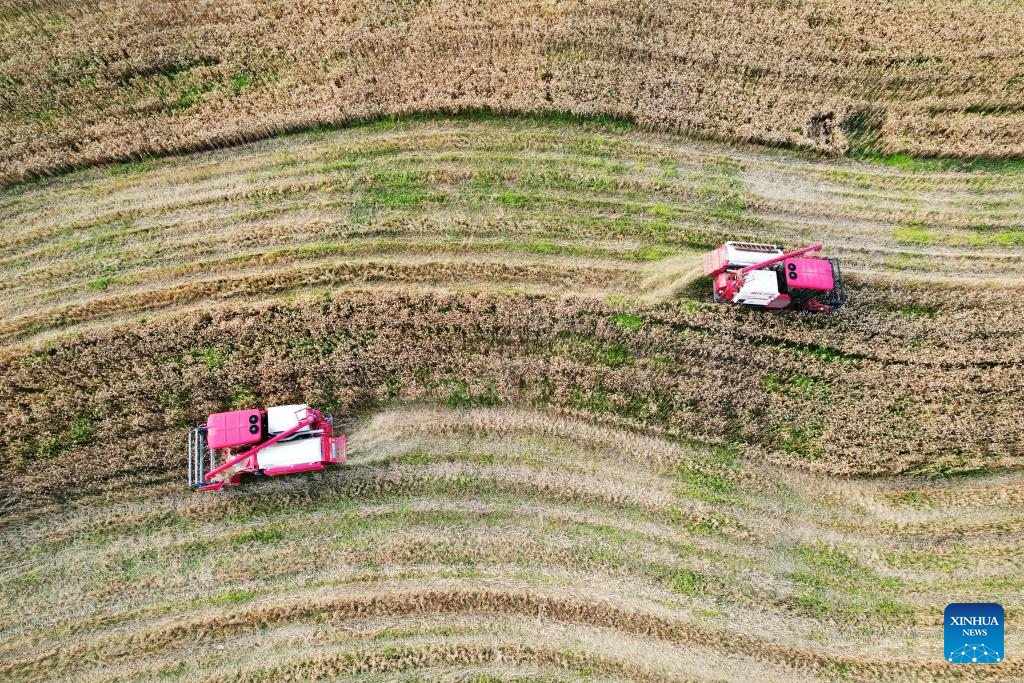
x,y
278,440
766,276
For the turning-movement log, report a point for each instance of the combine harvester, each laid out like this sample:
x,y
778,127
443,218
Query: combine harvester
x,y
278,440
764,275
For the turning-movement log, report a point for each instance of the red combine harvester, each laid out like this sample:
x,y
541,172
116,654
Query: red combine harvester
x,y
278,440
764,275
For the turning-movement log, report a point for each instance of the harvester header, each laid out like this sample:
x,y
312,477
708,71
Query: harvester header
x,y
767,276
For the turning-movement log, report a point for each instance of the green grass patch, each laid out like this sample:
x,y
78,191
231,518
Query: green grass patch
x,y
687,582
517,200
662,211
232,597
793,384
912,310
1002,238
399,188
131,168
801,441
593,351
909,262
906,162
722,191
915,233
407,197
832,584
103,283
243,399
912,233
615,356
913,499
591,145
247,80
417,456
594,400
649,254
704,484
627,321
461,395
82,431
957,558
191,96
213,358
712,479
545,248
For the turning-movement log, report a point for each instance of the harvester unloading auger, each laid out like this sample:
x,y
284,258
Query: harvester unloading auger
x,y
278,440
764,275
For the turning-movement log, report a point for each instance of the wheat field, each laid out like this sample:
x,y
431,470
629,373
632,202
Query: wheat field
x,y
566,463
87,82
472,231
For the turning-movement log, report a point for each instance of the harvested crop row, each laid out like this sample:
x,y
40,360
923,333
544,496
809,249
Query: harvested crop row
x,y
110,80
260,285
465,501
455,597
502,452
565,207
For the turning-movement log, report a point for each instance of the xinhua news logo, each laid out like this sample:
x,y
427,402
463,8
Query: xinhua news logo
x,y
973,633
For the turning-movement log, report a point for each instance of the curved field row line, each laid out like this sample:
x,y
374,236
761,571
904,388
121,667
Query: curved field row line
x,y
437,136
646,535
870,226
865,235
459,273
159,245
550,607
653,450
380,438
422,640
472,484
75,627
625,263
389,659
226,247
459,145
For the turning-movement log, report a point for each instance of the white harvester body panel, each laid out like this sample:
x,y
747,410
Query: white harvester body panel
x,y
747,254
290,453
760,288
282,418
